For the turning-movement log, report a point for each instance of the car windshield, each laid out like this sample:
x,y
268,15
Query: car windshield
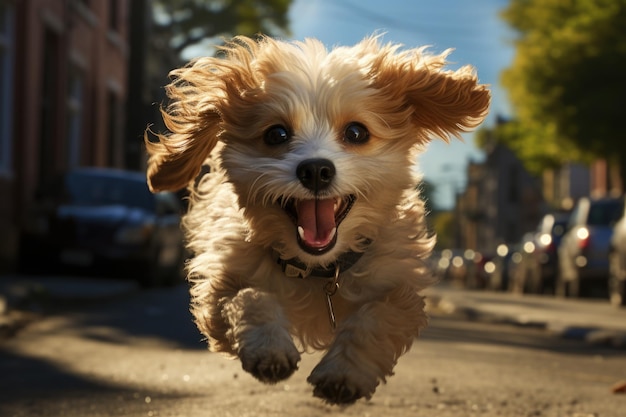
x,y
100,190
604,213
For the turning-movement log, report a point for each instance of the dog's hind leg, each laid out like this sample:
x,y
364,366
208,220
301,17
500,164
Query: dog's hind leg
x,y
258,333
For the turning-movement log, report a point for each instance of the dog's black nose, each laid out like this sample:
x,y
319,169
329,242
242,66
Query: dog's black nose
x,y
316,174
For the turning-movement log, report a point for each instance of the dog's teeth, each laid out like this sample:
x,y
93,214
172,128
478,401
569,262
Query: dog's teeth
x,y
332,234
301,232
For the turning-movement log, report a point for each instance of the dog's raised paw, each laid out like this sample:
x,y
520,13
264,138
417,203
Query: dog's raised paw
x,y
269,359
336,392
340,382
271,368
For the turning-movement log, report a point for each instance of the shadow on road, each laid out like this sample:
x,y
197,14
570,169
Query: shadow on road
x,y
161,314
157,318
29,379
32,387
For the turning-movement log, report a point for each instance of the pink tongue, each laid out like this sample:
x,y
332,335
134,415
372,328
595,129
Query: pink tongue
x,y
316,218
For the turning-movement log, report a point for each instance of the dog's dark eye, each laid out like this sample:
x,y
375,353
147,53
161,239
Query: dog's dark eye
x,y
356,133
276,135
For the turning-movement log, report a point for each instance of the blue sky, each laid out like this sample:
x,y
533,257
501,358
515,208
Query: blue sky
x,y
472,28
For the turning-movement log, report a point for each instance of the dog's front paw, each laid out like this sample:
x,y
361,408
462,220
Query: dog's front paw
x,y
338,391
270,367
270,358
341,384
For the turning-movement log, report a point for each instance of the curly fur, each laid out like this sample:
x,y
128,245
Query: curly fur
x,y
241,299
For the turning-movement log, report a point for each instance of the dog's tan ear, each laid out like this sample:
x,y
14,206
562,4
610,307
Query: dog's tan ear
x,y
193,121
176,158
444,103
200,95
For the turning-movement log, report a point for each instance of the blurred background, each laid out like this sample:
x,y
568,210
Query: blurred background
x,y
531,202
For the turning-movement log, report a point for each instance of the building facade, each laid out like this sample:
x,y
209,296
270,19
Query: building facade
x,y
501,203
63,88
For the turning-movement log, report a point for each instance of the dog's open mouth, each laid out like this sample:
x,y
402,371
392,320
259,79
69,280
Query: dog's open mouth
x,y
317,221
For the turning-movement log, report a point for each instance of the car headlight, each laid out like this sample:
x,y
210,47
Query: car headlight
x,y
135,234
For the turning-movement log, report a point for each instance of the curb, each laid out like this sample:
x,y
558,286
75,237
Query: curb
x,y
594,336
19,289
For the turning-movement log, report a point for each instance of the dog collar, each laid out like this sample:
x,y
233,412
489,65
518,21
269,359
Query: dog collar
x,y
295,268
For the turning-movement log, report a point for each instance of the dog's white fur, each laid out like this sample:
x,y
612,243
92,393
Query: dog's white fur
x,y
241,299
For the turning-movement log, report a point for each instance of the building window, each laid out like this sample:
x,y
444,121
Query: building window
x,y
75,106
114,20
6,86
49,111
115,128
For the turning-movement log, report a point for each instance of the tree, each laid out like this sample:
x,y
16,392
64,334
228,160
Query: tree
x,y
566,82
445,225
186,23
163,29
537,146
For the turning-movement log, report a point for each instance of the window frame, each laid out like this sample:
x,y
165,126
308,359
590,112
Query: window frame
x,y
7,61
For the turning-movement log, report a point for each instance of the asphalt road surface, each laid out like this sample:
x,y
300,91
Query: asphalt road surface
x,y
142,356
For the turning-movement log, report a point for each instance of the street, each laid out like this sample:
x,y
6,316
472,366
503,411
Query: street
x,y
140,355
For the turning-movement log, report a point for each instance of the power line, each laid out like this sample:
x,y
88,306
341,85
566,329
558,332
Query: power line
x,y
380,20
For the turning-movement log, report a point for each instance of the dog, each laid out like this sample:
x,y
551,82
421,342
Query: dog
x,y
308,232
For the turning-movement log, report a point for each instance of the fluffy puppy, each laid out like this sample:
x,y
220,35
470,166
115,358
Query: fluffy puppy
x,y
308,232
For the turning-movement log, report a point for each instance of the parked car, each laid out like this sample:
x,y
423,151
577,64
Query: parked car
x,y
461,267
617,263
503,267
96,220
541,254
584,250
519,267
452,266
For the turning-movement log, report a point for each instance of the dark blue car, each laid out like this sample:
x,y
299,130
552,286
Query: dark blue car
x,y
104,221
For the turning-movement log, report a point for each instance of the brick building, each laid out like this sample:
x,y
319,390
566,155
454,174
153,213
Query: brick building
x,y
63,89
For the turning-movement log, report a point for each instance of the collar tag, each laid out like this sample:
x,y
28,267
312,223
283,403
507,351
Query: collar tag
x,y
292,271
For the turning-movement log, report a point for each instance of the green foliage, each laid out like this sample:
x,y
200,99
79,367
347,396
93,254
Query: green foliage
x,y
444,225
185,23
566,82
537,146
427,190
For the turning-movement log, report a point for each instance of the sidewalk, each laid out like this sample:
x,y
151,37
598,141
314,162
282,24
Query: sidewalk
x,y
22,298
594,321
